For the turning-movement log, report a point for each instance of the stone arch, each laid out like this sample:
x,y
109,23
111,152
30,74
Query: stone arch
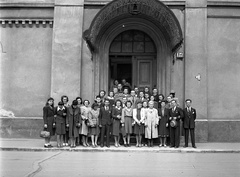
x,y
151,17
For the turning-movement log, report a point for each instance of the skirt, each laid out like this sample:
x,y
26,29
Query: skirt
x,y
128,124
83,129
116,127
94,130
60,128
138,129
50,126
163,131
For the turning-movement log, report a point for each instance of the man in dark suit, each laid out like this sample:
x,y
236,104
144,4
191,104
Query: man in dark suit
x,y
175,114
189,117
105,122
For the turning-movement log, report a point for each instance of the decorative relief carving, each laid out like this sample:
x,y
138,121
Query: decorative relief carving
x,y
26,23
159,14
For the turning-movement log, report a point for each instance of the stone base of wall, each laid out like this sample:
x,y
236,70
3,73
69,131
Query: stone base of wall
x,y
206,130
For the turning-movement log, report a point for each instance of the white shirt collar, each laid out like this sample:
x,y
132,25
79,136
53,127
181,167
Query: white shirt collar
x,y
58,108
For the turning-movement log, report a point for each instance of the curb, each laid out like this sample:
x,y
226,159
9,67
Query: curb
x,y
150,150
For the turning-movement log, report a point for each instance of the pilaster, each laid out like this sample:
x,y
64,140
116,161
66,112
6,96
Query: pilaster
x,y
67,48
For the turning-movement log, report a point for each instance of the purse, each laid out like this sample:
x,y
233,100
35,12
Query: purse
x,y
44,134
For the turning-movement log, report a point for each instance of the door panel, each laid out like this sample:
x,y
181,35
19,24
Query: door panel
x,y
143,71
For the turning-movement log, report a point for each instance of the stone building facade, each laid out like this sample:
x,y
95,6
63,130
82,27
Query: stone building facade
x,y
77,47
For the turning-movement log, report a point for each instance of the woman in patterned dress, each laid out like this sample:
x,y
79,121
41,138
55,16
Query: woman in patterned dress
x,y
94,124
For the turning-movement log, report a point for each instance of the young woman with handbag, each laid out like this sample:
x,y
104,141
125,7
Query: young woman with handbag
x,y
49,123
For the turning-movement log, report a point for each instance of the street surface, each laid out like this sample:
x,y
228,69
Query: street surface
x,y
62,163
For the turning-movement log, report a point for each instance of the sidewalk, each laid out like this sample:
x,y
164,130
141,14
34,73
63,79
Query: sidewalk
x,y
37,145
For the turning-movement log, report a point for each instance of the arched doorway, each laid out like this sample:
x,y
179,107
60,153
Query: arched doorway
x,y
132,56
152,18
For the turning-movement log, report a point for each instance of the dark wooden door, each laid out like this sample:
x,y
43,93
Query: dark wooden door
x,y
144,71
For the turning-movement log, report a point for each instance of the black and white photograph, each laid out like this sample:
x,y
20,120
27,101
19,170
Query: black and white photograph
x,y
119,88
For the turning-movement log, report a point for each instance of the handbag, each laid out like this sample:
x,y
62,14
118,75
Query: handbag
x,y
44,134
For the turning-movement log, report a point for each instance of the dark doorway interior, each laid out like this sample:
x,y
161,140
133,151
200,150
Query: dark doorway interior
x,y
121,68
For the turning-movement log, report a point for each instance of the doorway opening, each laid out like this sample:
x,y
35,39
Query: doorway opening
x,y
132,56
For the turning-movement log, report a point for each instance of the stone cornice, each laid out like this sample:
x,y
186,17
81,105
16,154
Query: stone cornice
x,y
23,23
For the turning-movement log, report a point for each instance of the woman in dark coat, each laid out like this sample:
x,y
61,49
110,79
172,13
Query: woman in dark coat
x,y
163,133
60,119
73,122
48,118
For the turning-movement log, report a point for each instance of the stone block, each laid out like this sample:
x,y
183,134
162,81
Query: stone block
x,y
224,131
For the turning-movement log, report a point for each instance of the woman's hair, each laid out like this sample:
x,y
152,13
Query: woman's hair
x,y
49,100
118,101
128,102
94,105
161,95
85,101
64,96
79,98
102,91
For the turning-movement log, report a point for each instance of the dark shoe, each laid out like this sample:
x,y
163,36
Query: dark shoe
x,y
171,146
194,146
50,146
108,146
46,146
101,146
129,145
185,146
125,145
176,146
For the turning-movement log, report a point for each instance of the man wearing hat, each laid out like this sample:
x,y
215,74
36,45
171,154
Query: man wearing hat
x,y
175,114
189,117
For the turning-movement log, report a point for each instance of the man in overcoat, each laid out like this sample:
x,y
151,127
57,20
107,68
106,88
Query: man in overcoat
x,y
189,117
105,122
175,115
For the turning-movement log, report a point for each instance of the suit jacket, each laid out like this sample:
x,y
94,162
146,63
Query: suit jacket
x,y
178,113
189,118
105,116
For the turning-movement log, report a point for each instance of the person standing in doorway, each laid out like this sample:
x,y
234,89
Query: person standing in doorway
x,y
116,115
189,117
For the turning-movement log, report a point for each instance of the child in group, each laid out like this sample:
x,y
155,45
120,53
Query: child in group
x,y
60,119
127,118
73,122
138,117
94,124
151,123
116,115
84,128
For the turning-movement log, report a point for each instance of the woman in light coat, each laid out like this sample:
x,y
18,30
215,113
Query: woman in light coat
x,y
151,124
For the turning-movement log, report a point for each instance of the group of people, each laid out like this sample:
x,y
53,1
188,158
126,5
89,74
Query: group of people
x,y
145,115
